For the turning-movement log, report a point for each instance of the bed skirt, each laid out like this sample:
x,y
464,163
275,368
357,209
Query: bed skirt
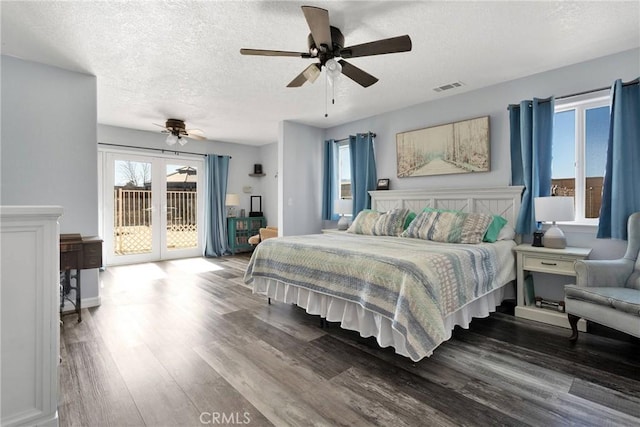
x,y
354,317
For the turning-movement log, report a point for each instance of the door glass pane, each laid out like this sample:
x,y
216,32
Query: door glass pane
x,y
182,207
132,208
563,172
596,136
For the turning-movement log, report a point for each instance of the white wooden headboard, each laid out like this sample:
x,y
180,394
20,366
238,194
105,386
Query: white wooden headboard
x,y
503,201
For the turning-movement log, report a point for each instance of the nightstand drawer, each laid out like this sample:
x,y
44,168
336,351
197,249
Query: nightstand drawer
x,y
551,265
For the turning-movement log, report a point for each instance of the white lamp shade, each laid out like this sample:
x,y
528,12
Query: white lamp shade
x,y
333,68
343,206
554,208
171,139
232,200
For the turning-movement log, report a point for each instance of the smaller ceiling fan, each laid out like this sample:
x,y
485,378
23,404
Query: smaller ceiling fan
x,y
178,132
326,43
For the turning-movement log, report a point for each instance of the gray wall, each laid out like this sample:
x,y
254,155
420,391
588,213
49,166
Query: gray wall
x,y
243,157
49,151
300,178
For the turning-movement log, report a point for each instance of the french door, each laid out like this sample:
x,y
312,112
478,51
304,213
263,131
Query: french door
x,y
153,207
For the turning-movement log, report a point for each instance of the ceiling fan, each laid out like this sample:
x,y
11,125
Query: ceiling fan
x,y
327,43
178,132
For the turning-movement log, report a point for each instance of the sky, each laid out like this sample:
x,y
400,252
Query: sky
x,y
121,177
597,133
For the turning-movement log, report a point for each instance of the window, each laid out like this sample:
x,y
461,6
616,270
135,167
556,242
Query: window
x,y
344,171
580,134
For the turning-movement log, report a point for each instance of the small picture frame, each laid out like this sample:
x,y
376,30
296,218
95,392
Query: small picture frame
x,y
383,184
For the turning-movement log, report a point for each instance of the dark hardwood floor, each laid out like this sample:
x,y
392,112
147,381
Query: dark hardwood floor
x,y
185,343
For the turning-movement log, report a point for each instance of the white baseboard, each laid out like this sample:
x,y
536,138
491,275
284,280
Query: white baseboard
x,y
84,302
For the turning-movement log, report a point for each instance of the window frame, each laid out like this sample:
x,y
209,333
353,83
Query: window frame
x,y
580,104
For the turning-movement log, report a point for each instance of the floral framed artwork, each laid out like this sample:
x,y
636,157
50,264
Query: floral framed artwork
x,y
459,147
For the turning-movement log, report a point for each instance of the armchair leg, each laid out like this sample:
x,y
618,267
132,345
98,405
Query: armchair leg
x,y
573,321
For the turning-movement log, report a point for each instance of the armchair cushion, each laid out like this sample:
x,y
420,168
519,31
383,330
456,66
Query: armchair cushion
x,y
623,299
603,273
264,233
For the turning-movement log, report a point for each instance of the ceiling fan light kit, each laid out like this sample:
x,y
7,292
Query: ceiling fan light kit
x,y
326,43
178,132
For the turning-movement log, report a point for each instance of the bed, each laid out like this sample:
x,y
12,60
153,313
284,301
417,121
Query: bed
x,y
408,293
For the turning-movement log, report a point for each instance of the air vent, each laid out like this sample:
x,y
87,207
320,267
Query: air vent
x,y
448,86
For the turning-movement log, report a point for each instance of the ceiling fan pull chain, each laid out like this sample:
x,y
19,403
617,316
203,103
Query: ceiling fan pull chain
x,y
333,92
326,95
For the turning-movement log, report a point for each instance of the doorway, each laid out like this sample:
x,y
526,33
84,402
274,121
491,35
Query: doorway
x,y
152,207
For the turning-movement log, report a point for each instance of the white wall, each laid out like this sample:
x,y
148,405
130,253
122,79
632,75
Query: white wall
x,y
243,157
300,178
49,151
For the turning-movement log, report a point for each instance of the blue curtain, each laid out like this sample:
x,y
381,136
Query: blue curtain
x,y
330,184
216,172
531,134
620,191
363,170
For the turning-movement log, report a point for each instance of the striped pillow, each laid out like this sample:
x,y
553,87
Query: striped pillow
x,y
380,224
449,227
364,222
391,223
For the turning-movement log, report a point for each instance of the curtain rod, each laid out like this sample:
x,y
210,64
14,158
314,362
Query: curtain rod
x,y
163,150
347,138
584,92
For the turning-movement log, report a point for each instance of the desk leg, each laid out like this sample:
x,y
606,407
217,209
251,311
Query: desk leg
x,y
78,304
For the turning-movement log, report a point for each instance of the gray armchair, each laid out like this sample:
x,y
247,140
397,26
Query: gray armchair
x,y
608,291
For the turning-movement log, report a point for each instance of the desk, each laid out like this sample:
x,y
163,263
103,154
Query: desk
x,y
77,253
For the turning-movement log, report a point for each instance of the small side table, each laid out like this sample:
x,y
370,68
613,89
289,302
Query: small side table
x,y
551,261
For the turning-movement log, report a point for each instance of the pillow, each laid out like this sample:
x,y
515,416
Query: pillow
x,y
449,227
507,233
492,232
391,223
410,218
494,229
380,223
365,222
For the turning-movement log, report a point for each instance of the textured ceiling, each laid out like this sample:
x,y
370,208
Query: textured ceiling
x,y
154,60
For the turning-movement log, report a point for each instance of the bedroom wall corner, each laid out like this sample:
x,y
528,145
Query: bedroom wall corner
x,y
300,156
49,146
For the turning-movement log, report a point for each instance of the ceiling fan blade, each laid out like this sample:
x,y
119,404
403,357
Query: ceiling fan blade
x,y
379,47
318,21
310,74
162,126
262,52
359,76
195,136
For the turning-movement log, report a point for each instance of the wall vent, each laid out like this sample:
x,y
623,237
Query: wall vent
x,y
448,86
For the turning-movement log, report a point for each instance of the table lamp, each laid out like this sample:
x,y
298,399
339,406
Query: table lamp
x,y
343,207
231,201
554,208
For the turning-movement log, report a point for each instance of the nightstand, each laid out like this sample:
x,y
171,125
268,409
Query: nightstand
x,y
550,261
